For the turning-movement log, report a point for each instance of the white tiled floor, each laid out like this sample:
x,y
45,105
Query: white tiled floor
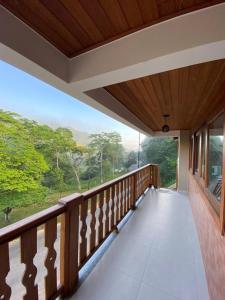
x,y
155,256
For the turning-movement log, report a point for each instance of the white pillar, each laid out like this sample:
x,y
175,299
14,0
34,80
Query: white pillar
x,y
183,161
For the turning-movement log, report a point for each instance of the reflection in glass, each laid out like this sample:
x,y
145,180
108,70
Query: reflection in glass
x,y
215,156
197,154
203,154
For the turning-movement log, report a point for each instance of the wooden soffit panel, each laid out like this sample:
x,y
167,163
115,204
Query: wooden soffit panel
x,y
76,26
190,95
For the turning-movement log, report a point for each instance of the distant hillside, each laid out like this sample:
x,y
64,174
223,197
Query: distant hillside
x,y
81,137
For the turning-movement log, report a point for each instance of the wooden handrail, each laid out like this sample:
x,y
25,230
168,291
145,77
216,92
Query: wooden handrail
x,y
107,184
13,231
109,203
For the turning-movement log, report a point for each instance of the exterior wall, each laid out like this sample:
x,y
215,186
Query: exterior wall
x,y
211,242
183,161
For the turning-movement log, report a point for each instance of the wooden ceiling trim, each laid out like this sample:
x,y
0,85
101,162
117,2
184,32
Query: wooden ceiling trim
x,y
199,92
189,95
208,82
125,96
174,81
78,13
39,18
37,7
145,107
77,26
199,87
132,12
166,89
183,92
115,14
214,90
217,105
159,95
149,10
136,107
64,16
151,92
97,13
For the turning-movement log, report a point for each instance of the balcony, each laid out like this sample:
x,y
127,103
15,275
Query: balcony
x,y
136,63
156,255
142,238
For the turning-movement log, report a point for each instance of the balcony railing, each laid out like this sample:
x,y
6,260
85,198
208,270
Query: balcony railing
x,y
85,221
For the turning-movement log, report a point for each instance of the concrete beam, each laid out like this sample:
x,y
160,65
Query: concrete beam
x,y
189,39
19,37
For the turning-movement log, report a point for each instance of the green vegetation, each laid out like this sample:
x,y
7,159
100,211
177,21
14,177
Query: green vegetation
x,y
162,151
39,164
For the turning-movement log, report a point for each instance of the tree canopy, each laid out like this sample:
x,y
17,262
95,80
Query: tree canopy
x,y
21,166
37,160
162,151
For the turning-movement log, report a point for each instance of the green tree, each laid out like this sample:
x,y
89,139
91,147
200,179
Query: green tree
x,y
109,152
131,159
21,166
59,148
162,151
91,168
76,156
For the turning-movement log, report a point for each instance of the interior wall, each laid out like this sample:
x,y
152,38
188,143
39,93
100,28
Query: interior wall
x,y
211,242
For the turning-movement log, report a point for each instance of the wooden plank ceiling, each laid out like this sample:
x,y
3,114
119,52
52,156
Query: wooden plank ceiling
x,y
190,95
76,26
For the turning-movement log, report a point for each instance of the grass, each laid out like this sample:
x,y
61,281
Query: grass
x,y
23,212
50,200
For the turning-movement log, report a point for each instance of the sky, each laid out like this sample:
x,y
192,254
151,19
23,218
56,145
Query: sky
x,y
36,100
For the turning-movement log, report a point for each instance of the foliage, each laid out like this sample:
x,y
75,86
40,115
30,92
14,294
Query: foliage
x,y
37,161
131,159
108,151
21,166
162,151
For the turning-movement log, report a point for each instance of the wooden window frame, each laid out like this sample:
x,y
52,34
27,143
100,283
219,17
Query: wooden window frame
x,y
190,152
218,210
198,135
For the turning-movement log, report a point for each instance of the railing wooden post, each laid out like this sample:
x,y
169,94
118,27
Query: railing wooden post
x,y
150,176
69,244
157,177
134,191
5,289
154,176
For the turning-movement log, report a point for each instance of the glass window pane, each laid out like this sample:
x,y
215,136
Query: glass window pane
x,y
197,153
215,156
203,154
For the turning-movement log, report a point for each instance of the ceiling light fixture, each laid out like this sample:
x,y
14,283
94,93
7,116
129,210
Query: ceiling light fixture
x,y
165,127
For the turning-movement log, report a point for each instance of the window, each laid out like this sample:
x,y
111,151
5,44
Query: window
x,y
191,152
215,156
203,153
197,153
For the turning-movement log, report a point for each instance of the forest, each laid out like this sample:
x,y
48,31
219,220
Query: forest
x,y
40,164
